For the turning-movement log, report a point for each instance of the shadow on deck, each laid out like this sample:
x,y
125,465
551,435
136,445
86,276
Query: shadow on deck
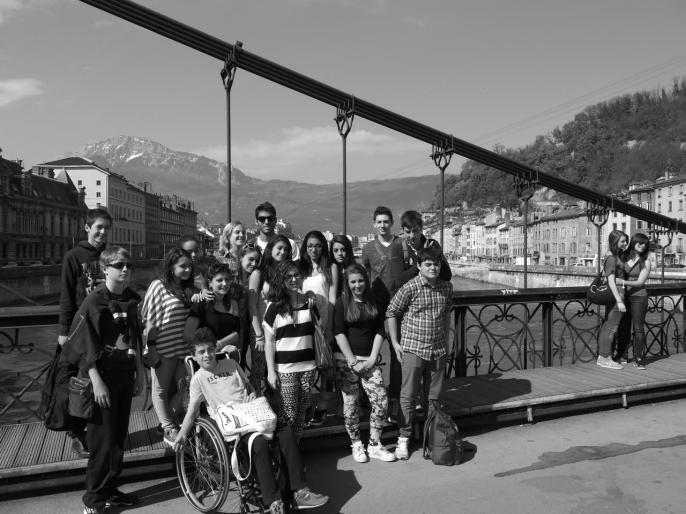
x,y
30,452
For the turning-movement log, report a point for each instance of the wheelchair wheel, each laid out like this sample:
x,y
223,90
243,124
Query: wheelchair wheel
x,y
203,467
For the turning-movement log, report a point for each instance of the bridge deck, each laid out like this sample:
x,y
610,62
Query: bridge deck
x,y
28,449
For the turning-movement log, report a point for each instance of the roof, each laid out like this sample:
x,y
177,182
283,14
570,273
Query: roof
x,y
564,214
9,167
70,161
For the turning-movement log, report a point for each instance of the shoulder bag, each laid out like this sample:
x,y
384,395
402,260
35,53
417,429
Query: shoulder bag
x,y
599,291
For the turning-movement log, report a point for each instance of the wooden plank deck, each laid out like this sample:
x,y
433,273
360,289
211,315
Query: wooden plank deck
x,y
28,449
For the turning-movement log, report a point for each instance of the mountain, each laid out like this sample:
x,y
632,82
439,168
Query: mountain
x,y
606,147
305,206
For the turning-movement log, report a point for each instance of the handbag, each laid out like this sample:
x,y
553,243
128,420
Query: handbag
x,y
237,419
81,400
323,356
599,291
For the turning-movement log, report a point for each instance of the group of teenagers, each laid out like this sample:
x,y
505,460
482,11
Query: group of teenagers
x,y
627,268
260,297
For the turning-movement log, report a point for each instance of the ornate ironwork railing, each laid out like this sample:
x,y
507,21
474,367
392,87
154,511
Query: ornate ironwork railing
x,y
494,331
507,329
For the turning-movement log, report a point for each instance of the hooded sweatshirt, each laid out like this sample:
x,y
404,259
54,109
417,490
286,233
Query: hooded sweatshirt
x,y
80,275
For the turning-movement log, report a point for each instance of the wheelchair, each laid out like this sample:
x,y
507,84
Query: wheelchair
x,y
204,467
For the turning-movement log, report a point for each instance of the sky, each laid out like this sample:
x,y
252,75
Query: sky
x,y
487,71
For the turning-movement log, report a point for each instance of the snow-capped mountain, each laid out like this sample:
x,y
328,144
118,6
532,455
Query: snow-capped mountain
x,y
203,181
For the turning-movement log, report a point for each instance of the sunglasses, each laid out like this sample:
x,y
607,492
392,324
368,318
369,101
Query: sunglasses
x,y
120,265
266,219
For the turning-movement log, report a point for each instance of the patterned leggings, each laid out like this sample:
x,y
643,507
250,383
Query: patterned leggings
x,y
372,383
296,397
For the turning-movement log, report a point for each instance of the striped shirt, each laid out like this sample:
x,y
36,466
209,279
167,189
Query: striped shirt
x,y
168,313
424,309
294,338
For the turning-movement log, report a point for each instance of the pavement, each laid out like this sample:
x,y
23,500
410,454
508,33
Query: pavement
x,y
612,461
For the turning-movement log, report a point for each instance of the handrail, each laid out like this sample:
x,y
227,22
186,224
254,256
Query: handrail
x,y
214,47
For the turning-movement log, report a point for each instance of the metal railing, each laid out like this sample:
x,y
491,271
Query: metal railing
x,y
494,331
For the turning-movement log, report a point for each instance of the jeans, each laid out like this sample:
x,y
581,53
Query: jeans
x,y
637,307
417,371
608,331
164,380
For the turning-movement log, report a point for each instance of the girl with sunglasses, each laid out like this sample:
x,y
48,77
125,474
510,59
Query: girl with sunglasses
x,y
637,270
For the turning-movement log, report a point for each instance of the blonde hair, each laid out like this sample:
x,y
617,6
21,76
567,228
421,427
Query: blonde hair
x,y
226,235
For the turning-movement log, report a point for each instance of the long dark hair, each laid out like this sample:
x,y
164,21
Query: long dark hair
x,y
278,292
349,258
268,265
358,311
306,265
613,242
179,290
639,237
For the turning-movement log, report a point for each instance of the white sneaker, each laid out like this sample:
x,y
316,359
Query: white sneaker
x,y
607,362
359,455
377,451
401,451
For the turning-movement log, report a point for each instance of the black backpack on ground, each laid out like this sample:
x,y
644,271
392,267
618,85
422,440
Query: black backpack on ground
x,y
442,442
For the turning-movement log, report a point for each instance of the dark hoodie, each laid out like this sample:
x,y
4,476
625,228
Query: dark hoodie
x,y
100,321
80,275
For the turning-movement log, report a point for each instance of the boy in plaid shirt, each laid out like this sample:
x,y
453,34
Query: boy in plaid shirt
x,y
424,305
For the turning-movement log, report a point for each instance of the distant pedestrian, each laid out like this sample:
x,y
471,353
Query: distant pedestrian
x,y
103,343
81,274
613,267
424,305
636,272
359,330
165,309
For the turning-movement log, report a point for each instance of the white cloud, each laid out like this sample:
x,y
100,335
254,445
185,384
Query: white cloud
x,y
12,90
294,150
8,7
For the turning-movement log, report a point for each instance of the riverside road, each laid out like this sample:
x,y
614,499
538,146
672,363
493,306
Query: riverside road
x,y
614,461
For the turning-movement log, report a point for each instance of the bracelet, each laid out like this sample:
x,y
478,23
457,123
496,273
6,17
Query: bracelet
x,y
261,336
352,364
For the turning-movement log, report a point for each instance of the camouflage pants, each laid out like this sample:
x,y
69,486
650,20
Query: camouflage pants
x,y
349,384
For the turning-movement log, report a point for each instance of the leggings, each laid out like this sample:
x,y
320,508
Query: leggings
x,y
296,397
372,382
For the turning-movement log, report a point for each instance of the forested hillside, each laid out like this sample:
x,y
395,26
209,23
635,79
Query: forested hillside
x,y
606,147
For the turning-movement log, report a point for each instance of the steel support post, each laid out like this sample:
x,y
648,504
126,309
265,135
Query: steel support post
x,y
598,215
441,156
525,189
228,73
344,122
656,233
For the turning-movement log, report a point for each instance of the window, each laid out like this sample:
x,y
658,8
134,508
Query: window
x,y
97,182
80,182
623,227
573,231
614,226
669,206
588,231
97,195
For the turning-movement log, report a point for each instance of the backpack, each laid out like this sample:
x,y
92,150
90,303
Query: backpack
x,y
442,442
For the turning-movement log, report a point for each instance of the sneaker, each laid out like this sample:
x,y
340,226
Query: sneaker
x,y
170,435
377,451
79,447
120,499
306,499
401,451
276,507
359,455
639,364
94,510
607,362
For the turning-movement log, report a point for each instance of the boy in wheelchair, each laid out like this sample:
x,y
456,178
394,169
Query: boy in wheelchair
x,y
224,382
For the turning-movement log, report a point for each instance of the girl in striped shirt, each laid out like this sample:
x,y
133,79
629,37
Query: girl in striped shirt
x,y
289,350
165,309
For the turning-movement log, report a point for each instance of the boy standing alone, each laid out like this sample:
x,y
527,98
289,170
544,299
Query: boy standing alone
x,y
424,305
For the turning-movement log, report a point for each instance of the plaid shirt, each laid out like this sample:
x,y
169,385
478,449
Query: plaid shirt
x,y
423,309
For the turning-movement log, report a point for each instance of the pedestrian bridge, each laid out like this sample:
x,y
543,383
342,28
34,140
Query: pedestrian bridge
x,y
514,356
